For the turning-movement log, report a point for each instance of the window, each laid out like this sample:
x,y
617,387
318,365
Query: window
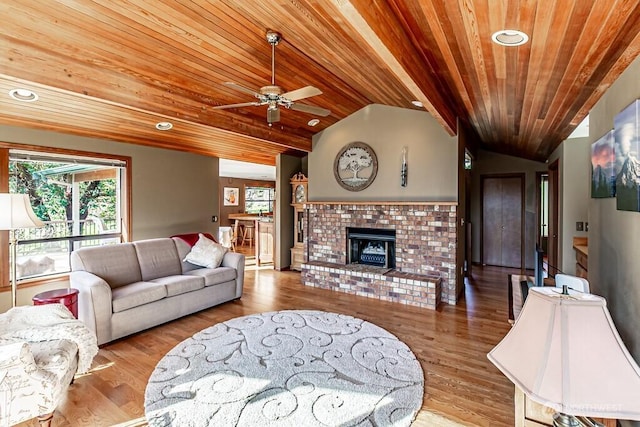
x,y
81,199
467,160
259,200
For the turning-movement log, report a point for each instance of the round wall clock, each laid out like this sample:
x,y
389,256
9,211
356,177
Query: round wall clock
x,y
355,166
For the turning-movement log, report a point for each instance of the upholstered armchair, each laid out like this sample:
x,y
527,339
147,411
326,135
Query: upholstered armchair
x,y
41,349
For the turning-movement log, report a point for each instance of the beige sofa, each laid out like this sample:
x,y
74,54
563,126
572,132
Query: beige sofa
x,y
129,287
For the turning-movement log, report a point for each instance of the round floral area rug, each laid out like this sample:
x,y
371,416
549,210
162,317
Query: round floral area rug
x,y
287,368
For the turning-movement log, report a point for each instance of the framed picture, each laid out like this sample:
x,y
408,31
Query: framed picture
x,y
355,166
603,167
231,196
626,127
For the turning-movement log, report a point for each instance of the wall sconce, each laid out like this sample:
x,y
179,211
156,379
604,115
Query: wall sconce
x,y
403,172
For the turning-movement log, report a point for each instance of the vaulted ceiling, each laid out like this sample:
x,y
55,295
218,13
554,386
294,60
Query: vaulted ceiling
x,y
113,69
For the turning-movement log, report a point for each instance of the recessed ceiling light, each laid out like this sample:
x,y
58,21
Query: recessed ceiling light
x,y
313,122
24,95
164,125
510,37
417,103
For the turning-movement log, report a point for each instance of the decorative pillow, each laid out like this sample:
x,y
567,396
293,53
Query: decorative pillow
x,y
206,253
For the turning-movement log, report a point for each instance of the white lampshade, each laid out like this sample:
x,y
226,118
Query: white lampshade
x,y
16,212
565,353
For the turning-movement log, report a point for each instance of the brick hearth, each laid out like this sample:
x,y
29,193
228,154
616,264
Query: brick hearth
x,y
425,250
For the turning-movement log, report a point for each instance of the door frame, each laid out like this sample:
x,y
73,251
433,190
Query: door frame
x,y
522,177
554,218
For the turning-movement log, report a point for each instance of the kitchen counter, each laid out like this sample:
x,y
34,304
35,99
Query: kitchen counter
x,y
263,235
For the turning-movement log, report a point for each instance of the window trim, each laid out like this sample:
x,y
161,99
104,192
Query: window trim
x,y
270,201
126,211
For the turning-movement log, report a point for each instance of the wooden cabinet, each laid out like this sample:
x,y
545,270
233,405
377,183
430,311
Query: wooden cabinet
x,y
298,198
264,242
580,245
532,414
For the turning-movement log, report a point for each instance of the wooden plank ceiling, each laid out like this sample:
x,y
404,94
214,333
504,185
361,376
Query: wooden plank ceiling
x,y
113,69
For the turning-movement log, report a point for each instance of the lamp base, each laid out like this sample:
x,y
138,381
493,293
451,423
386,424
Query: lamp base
x,y
564,420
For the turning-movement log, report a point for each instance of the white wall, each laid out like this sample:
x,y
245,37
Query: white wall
x,y
432,156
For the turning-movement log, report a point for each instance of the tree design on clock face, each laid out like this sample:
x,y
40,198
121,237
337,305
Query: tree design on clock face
x,y
355,166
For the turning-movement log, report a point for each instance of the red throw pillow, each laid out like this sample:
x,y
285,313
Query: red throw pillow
x,y
192,238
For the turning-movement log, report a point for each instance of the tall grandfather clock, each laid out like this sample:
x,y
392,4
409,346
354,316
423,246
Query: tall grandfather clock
x,y
298,199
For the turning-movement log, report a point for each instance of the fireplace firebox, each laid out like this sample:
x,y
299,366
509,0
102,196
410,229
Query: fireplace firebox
x,y
371,246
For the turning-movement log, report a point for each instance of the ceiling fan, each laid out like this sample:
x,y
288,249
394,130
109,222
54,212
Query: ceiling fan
x,y
273,96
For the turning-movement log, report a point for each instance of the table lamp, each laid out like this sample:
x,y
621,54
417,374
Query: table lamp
x,y
564,352
16,212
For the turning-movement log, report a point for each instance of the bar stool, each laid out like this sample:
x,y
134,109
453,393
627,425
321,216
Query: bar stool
x,y
247,234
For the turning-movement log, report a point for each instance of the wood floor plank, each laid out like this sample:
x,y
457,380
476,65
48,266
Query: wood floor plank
x,y
461,386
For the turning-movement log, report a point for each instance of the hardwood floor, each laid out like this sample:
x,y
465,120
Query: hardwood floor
x,y
451,343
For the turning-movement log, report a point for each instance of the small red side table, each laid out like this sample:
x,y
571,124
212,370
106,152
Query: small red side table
x,y
68,297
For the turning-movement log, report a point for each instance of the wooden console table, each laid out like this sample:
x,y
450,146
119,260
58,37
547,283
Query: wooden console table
x,y
532,414
580,245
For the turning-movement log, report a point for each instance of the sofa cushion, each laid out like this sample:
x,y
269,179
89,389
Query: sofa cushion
x,y
157,258
115,264
183,249
135,294
206,253
215,276
177,285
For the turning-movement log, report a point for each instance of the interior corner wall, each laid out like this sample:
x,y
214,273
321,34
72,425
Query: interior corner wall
x,y
487,163
286,167
172,191
432,156
614,270
574,176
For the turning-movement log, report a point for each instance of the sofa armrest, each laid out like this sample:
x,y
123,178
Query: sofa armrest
x,y
235,260
94,303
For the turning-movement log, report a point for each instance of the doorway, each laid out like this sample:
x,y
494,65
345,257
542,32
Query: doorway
x,y
503,220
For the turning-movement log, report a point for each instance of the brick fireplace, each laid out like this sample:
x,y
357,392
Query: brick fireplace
x,y
425,250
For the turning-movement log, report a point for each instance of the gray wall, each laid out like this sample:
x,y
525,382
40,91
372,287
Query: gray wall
x,y
492,163
574,168
286,167
614,270
172,192
432,156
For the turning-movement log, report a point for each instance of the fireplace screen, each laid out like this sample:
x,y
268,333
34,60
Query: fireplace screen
x,y
371,246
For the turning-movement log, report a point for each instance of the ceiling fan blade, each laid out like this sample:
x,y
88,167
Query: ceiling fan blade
x,y
236,86
323,112
304,92
273,115
242,104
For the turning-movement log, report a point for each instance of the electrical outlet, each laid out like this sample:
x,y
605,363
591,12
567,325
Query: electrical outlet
x,y
579,226
214,218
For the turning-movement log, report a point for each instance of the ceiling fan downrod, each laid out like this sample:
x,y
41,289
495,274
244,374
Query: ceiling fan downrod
x,y
273,38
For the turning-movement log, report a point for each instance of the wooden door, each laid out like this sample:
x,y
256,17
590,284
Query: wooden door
x,y
502,220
